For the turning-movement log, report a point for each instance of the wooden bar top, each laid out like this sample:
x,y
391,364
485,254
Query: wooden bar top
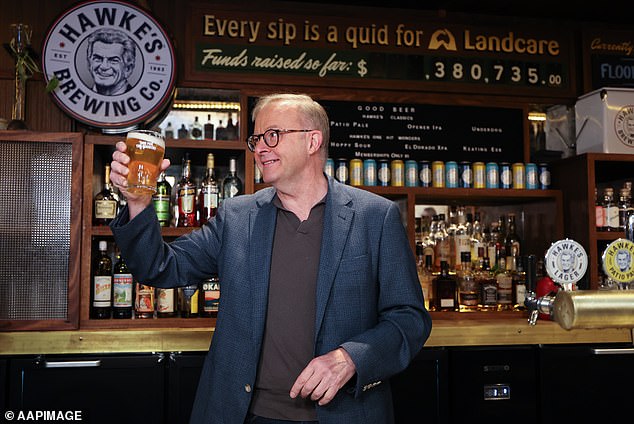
x,y
514,331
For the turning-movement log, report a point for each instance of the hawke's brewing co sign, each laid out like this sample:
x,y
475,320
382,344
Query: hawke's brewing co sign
x,y
114,63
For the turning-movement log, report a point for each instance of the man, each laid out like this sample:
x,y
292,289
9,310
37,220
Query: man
x,y
623,259
111,60
320,304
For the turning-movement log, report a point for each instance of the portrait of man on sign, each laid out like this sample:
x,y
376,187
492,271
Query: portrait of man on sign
x,y
623,259
111,59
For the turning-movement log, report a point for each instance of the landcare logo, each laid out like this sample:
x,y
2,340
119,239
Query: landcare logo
x,y
114,63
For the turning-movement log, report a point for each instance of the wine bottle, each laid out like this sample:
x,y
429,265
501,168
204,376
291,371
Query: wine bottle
x,y
122,284
209,193
102,284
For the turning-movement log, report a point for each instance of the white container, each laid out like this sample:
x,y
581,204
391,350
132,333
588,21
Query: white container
x,y
604,121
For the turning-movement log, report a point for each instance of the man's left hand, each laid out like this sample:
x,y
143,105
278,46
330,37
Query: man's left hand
x,y
324,376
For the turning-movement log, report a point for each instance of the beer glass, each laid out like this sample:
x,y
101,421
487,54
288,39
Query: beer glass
x,y
146,150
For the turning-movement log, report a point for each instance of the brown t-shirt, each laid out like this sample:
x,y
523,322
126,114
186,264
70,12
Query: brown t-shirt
x,y
288,343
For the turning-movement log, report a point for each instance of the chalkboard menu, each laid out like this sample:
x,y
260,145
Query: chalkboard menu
x,y
377,131
424,132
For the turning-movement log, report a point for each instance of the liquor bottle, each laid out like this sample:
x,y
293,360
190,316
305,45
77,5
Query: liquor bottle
x,y
442,244
102,283
428,239
445,293
512,240
624,205
106,202
122,288
468,295
610,210
169,131
488,288
425,276
221,131
598,212
231,185
462,237
210,297
186,197
209,193
504,280
166,303
208,129
161,200
477,241
519,285
183,132
188,301
230,130
143,301
196,129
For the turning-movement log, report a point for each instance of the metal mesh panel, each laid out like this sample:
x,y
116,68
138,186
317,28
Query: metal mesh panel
x,y
35,201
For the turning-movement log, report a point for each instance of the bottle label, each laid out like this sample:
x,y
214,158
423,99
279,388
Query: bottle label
x,y
122,290
144,302
612,217
105,209
520,294
162,207
211,296
210,200
190,294
165,301
102,287
186,199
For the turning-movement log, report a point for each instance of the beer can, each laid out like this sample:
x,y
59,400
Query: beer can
x,y
506,176
341,172
411,173
398,173
384,173
369,172
356,172
438,173
329,167
424,173
451,174
532,176
465,177
519,175
479,175
492,174
544,176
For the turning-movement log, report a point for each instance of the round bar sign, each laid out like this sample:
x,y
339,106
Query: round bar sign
x,y
114,64
617,260
566,261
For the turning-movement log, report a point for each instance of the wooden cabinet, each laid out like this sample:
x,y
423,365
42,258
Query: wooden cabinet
x,y
578,177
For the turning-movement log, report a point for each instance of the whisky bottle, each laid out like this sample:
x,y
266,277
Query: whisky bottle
x,y
209,193
106,202
208,129
188,301
166,303
230,130
488,288
169,131
183,132
442,243
445,293
425,276
221,131
102,284
144,301
232,184
610,210
210,297
504,280
468,295
519,285
196,130
512,240
186,197
122,288
161,200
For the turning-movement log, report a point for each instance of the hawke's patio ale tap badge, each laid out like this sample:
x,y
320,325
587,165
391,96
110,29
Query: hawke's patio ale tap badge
x,y
114,63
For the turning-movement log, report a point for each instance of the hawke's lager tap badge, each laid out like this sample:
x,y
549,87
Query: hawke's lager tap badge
x,y
114,63
566,262
617,260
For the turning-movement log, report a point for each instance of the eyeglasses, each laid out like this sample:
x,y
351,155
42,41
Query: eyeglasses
x,y
271,137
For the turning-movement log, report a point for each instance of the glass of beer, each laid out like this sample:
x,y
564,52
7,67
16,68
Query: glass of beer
x,y
146,150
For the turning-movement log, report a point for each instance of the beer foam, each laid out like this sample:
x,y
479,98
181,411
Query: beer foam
x,y
146,136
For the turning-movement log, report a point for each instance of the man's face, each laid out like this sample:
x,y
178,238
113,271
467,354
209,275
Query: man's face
x,y
283,163
566,261
107,65
622,260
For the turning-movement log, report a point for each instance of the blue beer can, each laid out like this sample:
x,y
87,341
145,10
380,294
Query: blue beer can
x,y
369,172
465,179
383,173
424,173
329,167
341,172
532,176
493,177
506,175
411,173
544,176
451,172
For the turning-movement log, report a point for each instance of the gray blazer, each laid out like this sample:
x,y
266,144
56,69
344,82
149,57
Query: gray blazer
x,y
369,300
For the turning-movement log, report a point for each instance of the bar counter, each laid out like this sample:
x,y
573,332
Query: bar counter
x,y
494,332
